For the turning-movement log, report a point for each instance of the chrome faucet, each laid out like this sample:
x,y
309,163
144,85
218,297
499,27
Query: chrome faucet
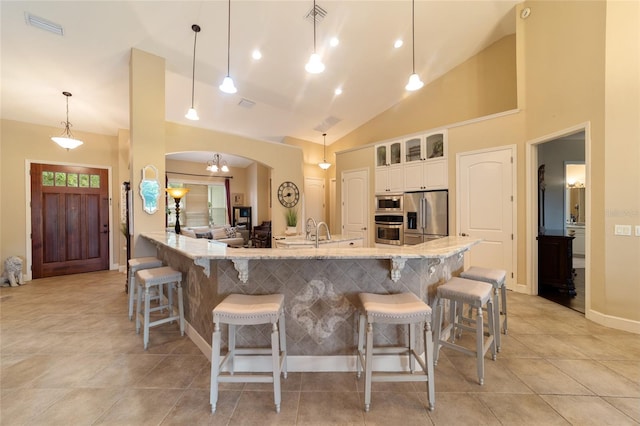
x,y
310,227
318,232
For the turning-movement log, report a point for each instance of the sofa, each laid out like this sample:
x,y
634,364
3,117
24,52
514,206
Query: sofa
x,y
230,235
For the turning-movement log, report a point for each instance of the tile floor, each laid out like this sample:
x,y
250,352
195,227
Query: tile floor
x,y
70,356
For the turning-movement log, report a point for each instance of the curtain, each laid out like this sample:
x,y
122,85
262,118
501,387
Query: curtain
x,y
227,194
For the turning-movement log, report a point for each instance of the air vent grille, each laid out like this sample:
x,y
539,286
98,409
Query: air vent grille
x,y
246,103
43,24
327,123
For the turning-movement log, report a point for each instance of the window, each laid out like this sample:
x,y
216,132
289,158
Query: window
x,y
204,205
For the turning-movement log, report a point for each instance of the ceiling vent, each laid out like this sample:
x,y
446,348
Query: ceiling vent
x,y
327,123
246,103
319,14
43,24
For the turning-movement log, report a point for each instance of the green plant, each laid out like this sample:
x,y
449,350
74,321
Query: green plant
x,y
292,217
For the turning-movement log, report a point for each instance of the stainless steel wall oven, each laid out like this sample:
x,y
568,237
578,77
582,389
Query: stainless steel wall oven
x,y
389,229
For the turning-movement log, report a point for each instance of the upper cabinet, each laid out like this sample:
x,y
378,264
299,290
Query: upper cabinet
x,y
422,164
389,154
389,173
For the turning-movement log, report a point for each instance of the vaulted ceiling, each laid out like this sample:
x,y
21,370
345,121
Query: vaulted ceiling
x,y
91,58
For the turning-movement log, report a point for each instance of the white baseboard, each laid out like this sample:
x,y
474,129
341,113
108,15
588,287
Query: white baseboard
x,y
613,322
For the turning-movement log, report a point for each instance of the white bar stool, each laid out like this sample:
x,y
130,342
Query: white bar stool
x,y
497,278
403,308
157,277
135,265
244,309
477,294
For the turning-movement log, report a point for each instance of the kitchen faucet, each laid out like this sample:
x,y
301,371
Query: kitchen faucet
x,y
310,229
318,232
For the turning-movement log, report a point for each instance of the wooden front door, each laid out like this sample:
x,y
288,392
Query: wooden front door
x,y
69,220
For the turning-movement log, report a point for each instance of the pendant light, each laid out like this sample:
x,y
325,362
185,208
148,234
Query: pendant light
x,y
227,85
192,114
414,79
66,140
315,65
324,165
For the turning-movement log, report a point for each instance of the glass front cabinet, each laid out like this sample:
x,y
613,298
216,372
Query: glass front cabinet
x,y
416,163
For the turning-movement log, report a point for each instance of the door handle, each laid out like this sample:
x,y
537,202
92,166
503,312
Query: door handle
x,y
363,229
464,235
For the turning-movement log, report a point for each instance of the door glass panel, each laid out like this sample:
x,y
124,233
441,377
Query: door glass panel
x,y
395,153
72,179
95,181
412,150
381,156
61,179
435,146
47,178
84,181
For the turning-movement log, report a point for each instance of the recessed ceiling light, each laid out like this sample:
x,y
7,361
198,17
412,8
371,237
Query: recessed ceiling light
x,y
334,41
398,43
256,54
338,91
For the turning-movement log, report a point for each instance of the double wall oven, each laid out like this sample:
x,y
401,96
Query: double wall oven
x,y
389,219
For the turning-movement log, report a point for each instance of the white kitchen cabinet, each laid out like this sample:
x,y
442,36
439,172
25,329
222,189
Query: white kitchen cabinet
x,y
426,176
351,244
389,179
389,154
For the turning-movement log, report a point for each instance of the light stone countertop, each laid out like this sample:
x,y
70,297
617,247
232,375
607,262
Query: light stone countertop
x,y
199,248
202,251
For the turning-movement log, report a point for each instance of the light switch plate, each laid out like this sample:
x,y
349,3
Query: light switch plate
x,y
637,230
623,230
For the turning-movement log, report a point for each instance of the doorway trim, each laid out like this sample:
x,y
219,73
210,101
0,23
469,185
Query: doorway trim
x,y
531,182
27,177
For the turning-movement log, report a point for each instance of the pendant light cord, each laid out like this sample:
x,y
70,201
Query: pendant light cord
x,y
413,35
228,37
324,153
314,26
193,68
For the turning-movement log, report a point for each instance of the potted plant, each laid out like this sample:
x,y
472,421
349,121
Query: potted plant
x,y
291,217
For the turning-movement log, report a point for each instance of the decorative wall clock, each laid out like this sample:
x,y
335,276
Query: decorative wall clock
x,y
288,194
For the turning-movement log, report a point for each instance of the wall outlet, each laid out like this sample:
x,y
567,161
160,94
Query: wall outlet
x,y
623,230
637,230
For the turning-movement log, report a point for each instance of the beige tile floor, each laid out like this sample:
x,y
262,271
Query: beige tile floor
x,y
70,356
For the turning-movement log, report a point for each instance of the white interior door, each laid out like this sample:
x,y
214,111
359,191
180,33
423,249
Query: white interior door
x,y
486,207
313,200
355,208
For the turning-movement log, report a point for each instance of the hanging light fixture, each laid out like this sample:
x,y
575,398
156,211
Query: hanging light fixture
x,y
66,140
217,164
315,65
414,79
192,114
227,85
324,165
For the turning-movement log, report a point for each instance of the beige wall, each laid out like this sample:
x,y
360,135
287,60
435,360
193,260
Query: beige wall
x,y
24,142
620,296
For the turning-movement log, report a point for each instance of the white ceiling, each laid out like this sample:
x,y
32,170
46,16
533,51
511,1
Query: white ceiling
x,y
91,59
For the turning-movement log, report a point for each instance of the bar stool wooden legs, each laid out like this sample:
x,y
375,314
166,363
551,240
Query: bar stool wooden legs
x,y
243,309
403,308
135,265
157,277
477,294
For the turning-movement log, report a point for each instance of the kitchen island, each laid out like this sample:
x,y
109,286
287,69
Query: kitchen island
x,y
320,286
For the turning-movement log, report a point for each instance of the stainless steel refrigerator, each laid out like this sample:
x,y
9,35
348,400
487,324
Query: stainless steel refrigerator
x,y
426,216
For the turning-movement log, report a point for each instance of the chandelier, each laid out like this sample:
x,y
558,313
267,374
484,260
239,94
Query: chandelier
x,y
217,164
